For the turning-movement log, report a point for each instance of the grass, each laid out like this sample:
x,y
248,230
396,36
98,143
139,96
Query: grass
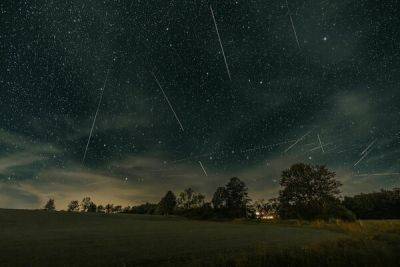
x,y
366,243
37,238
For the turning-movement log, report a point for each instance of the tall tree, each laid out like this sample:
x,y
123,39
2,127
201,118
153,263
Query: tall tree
x,y
109,208
308,192
189,199
50,205
117,209
73,205
167,203
87,205
236,198
219,198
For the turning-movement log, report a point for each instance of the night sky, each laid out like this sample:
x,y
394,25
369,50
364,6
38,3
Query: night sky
x,y
323,90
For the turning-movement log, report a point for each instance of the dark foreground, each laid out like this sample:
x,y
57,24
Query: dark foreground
x,y
36,238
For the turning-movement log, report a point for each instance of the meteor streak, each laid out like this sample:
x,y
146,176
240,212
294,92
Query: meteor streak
x,y
169,103
320,143
220,43
95,117
294,29
202,167
365,154
379,174
266,146
298,140
368,147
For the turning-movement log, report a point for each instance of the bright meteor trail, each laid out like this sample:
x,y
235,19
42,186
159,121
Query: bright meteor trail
x,y
320,143
202,167
298,140
220,43
95,117
294,29
169,103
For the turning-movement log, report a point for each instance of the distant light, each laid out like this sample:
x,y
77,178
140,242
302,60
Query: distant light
x,y
325,38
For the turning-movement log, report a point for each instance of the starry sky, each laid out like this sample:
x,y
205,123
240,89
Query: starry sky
x,y
304,81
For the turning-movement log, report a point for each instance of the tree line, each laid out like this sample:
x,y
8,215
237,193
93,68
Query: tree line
x,y
307,192
86,205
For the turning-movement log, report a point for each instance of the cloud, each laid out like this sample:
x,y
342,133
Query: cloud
x,y
160,173
22,152
18,159
139,179
13,197
106,123
21,142
67,185
131,181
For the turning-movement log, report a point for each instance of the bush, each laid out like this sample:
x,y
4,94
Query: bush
x,y
201,213
377,205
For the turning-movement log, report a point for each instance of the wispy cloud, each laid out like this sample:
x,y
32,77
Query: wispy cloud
x,y
18,159
23,151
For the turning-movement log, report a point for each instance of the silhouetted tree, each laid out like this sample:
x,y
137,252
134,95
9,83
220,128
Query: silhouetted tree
x,y
126,209
309,192
219,198
376,205
87,205
167,203
50,205
236,198
100,209
73,206
189,199
205,211
92,207
147,208
117,209
109,208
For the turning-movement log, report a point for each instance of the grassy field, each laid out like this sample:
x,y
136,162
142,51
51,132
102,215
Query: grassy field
x,y
37,238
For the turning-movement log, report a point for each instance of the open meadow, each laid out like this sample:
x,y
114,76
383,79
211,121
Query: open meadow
x,y
38,238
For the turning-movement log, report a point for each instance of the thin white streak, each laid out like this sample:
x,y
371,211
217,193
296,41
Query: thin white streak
x,y
294,29
220,43
365,154
298,140
379,174
320,143
95,116
169,103
368,147
266,146
315,148
204,170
